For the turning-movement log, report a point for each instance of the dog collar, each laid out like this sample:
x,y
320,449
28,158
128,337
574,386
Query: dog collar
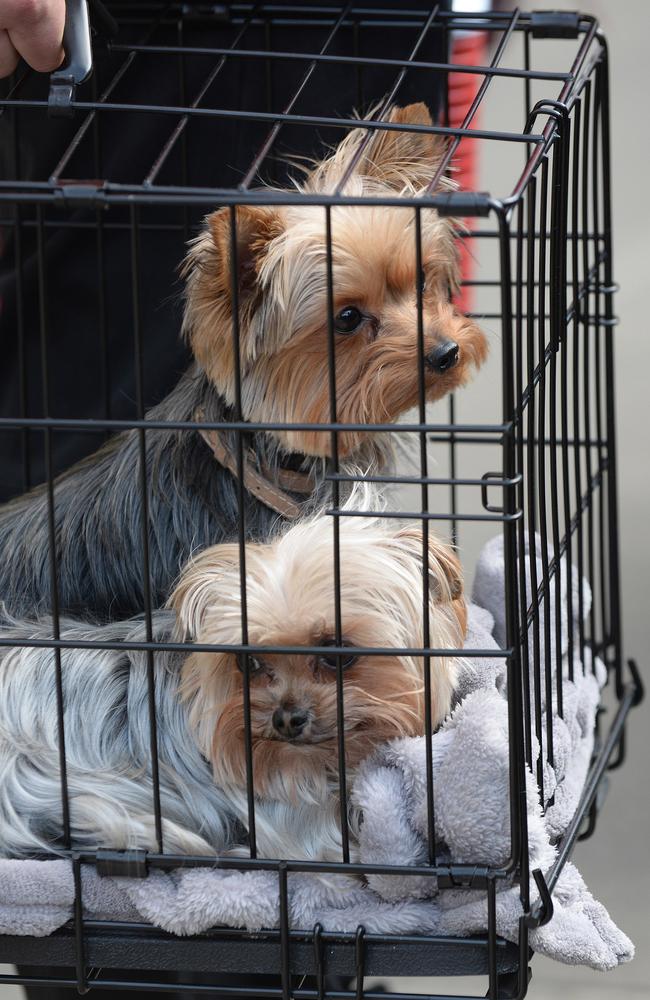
x,y
272,488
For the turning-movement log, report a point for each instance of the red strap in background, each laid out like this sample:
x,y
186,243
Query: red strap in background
x,y
468,49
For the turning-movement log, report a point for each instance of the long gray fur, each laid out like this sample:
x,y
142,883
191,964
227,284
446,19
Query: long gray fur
x,y
108,756
109,761
98,510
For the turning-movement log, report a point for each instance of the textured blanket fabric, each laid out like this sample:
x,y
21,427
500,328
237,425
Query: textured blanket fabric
x,y
389,810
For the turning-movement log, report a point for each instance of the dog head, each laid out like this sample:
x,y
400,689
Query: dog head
x,y
294,717
265,268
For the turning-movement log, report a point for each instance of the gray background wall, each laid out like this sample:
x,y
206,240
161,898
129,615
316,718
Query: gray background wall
x,y
614,862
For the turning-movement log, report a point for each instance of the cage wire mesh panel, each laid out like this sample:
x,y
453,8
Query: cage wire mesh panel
x,y
188,111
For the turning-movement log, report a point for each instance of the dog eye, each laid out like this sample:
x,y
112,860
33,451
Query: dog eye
x,y
329,660
255,665
348,320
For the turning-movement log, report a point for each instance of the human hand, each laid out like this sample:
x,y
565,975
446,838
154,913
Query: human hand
x,y
32,29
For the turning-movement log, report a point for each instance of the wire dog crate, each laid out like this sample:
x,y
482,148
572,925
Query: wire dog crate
x,y
102,186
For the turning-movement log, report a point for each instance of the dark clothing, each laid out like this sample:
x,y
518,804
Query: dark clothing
x,y
76,285
107,272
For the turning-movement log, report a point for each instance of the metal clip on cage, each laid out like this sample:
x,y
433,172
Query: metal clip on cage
x,y
78,62
187,106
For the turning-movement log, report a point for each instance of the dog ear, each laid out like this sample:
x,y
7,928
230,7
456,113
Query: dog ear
x,y
254,228
400,160
208,271
404,159
208,583
445,573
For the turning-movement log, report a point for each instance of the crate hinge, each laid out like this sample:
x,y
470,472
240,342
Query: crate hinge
x,y
206,11
464,203
131,864
555,24
460,878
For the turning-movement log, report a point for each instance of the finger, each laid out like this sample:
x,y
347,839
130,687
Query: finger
x,y
38,35
8,55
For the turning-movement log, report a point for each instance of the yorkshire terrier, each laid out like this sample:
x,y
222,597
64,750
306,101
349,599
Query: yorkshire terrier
x,y
202,734
280,291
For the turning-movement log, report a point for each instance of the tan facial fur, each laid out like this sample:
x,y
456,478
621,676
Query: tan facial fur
x,y
290,603
281,286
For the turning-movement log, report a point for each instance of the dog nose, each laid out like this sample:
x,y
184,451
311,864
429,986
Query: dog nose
x,y
443,357
290,722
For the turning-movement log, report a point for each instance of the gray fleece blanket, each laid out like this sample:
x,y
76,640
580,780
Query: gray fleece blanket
x,y
471,787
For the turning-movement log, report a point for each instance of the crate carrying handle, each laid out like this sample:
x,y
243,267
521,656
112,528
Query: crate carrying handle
x,y
78,63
